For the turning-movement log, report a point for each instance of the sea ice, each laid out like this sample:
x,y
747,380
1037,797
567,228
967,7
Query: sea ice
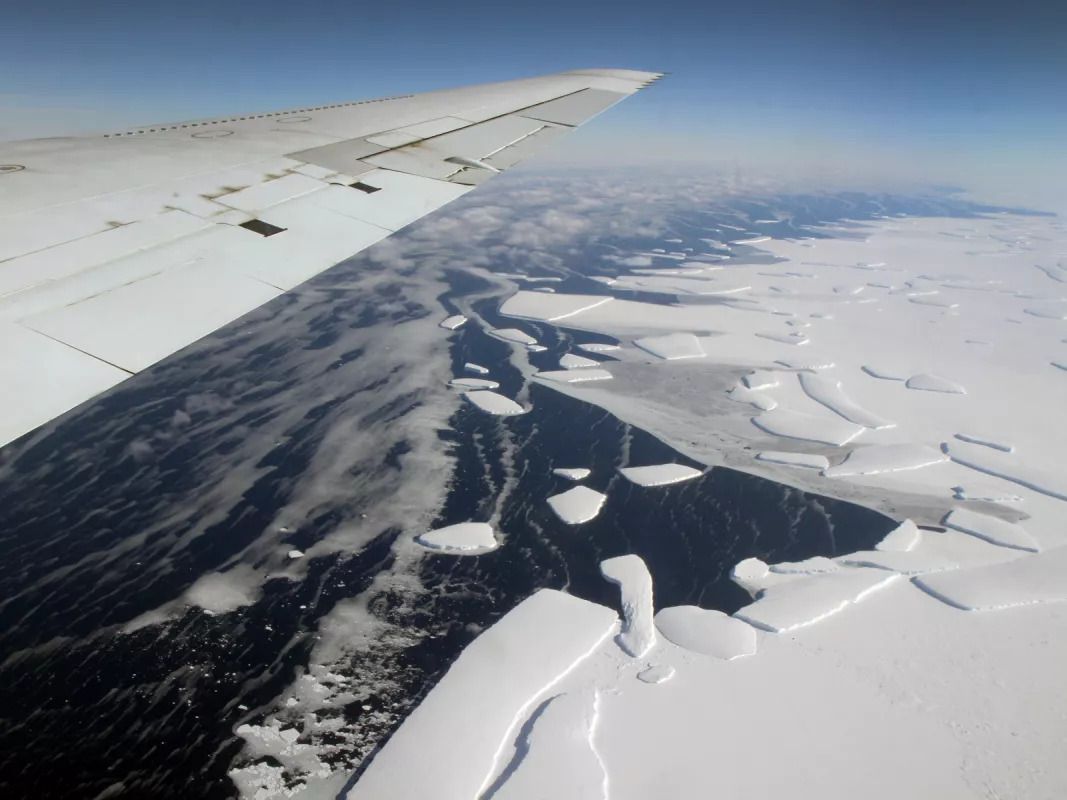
x,y
988,494
486,693
997,531
493,403
535,348
813,364
556,757
598,347
901,539
785,338
1049,312
473,383
710,633
574,375
829,392
658,673
631,575
453,322
672,346
809,566
1040,578
659,474
796,425
1004,448
295,554
932,383
740,394
786,606
794,459
513,335
880,371
1010,470
551,307
761,379
757,240
577,505
475,368
572,474
571,361
464,538
873,459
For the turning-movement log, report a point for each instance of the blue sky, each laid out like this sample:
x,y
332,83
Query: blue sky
x,y
943,88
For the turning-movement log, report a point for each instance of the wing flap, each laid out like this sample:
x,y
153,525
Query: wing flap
x,y
574,109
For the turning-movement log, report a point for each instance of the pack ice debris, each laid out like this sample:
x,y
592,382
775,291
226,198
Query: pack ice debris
x,y
671,347
493,403
992,529
807,427
761,379
874,459
658,673
1040,578
453,322
478,369
550,307
486,694
571,361
557,758
1004,448
473,383
630,574
791,605
708,632
513,335
577,505
464,538
794,459
829,393
295,554
659,474
932,383
901,539
574,375
572,474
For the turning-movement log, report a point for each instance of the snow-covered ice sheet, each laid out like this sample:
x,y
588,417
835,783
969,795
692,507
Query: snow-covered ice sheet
x,y
926,382
877,458
577,505
671,347
630,574
901,539
549,307
482,699
493,403
758,400
1002,446
1010,469
463,538
828,391
1039,578
706,631
808,460
761,379
997,531
659,474
807,427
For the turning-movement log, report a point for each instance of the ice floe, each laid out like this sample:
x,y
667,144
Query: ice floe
x,y
1040,578
493,403
813,364
741,394
598,347
630,574
577,505
761,379
791,605
658,673
453,322
809,566
996,531
659,474
829,393
988,494
550,307
473,383
513,335
294,554
486,694
708,632
1009,469
672,346
809,460
874,459
571,361
888,374
574,375
572,474
796,338
478,369
807,427
901,539
932,383
1004,448
464,538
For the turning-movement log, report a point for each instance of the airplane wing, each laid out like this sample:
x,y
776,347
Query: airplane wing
x,y
119,249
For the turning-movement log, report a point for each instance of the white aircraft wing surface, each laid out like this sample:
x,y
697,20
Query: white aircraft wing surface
x,y
121,248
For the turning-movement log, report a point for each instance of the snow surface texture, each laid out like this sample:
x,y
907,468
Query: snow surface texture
x,y
577,505
631,575
659,475
482,698
464,538
707,632
493,403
